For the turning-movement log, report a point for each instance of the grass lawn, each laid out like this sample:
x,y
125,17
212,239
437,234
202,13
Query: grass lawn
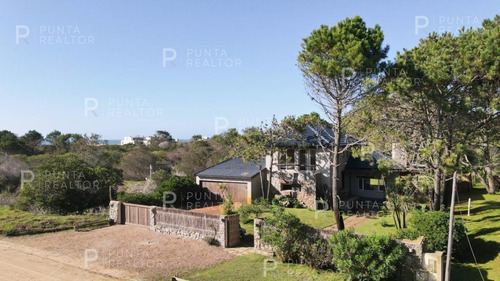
x,y
307,216
484,232
15,222
251,267
376,226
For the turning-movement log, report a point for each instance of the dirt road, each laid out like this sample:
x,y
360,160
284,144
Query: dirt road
x,y
119,252
16,264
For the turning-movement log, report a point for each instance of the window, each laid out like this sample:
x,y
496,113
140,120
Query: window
x,y
291,187
287,159
365,183
302,160
313,159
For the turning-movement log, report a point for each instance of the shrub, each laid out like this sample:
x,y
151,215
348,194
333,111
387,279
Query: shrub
x,y
180,186
433,225
211,241
294,242
227,205
286,201
254,210
284,232
140,198
66,184
159,176
369,258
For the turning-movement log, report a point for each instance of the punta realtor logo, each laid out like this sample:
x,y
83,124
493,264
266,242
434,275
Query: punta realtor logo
x,y
53,35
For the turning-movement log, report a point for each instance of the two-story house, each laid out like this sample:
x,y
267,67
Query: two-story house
x,y
302,168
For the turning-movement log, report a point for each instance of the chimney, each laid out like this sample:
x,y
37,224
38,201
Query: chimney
x,y
399,154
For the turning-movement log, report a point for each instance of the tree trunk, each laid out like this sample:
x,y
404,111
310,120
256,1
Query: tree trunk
x,y
336,210
261,181
437,190
490,180
269,182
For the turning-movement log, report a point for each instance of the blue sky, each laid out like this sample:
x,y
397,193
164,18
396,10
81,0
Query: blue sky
x,y
120,68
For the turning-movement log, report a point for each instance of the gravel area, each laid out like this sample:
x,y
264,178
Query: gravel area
x,y
124,251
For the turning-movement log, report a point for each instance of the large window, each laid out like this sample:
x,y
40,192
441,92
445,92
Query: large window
x,y
287,159
306,160
366,183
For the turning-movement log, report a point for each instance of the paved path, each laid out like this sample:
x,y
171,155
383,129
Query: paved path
x,y
19,265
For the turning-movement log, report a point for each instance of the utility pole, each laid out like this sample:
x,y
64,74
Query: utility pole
x,y
450,230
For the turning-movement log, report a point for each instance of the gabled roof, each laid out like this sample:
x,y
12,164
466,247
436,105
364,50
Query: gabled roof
x,y
235,168
319,136
371,162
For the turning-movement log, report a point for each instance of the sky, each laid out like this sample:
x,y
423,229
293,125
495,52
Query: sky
x,y
126,68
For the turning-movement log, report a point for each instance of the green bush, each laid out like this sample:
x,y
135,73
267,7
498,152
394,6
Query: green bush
x,y
294,242
227,205
66,184
140,198
249,212
286,201
180,186
159,176
366,258
433,225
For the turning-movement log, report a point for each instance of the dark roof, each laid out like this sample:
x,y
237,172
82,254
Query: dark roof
x,y
235,168
371,162
317,136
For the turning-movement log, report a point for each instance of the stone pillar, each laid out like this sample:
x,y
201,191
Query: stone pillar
x,y
115,214
433,264
259,246
152,218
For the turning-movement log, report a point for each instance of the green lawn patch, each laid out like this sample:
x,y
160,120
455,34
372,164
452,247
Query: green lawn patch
x,y
15,222
483,227
316,219
251,267
377,225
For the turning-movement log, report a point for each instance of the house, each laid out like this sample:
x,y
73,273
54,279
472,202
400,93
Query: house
x,y
136,139
301,168
242,178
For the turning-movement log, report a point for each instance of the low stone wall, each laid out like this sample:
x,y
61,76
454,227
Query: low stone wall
x,y
189,225
186,224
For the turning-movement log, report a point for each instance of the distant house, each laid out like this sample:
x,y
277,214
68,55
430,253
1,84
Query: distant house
x,y
136,139
242,179
301,169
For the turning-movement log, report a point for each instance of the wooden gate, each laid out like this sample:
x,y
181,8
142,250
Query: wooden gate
x,y
136,214
232,230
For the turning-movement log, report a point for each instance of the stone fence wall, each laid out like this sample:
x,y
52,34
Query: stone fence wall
x,y
186,224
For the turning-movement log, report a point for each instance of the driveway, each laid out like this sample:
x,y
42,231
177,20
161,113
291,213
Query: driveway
x,y
116,252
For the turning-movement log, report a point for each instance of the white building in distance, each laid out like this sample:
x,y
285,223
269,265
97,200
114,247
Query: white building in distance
x,y
136,139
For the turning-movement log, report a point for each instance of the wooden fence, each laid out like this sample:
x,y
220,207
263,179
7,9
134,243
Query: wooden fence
x,y
176,222
136,214
205,224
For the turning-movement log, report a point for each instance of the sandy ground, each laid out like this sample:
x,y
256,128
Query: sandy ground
x,y
116,252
